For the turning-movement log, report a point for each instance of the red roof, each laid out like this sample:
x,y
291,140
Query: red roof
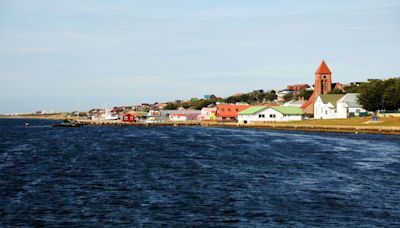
x,y
307,103
230,110
323,69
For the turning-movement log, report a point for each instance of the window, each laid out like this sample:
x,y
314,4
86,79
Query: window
x,y
237,110
261,116
229,109
272,116
222,109
326,112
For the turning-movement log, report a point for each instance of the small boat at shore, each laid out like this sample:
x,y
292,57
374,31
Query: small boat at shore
x,y
67,123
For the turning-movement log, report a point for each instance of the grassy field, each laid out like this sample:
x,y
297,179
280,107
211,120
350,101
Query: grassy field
x,y
355,121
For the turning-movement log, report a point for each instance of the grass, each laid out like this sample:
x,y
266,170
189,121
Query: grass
x,y
355,121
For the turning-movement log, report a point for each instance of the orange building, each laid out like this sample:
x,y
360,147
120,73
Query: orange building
x,y
298,87
229,112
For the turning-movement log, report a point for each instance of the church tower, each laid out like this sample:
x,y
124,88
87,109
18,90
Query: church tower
x,y
322,85
323,80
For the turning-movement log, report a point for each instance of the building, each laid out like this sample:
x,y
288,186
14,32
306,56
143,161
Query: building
x,y
294,103
164,115
260,114
282,93
128,118
208,114
183,116
322,85
336,106
229,112
297,88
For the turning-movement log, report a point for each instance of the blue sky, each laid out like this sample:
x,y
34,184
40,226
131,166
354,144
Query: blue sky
x,y
123,52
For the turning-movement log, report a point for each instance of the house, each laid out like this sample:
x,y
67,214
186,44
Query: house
x,y
229,112
294,103
165,115
281,94
334,106
269,114
184,116
128,118
208,114
297,88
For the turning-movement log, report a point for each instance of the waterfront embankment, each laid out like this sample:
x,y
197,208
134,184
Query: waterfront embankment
x,y
309,125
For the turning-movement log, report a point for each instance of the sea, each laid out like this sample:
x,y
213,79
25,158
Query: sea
x,y
195,177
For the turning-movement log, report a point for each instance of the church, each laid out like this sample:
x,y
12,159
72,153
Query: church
x,y
322,85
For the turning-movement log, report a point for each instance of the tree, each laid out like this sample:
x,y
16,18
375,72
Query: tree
x,y
371,95
288,97
171,106
270,96
336,91
380,94
352,89
306,94
391,95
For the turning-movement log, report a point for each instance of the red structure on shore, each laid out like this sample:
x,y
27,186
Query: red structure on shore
x,y
128,118
322,85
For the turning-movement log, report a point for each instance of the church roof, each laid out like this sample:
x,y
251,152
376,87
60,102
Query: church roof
x,y
323,69
331,98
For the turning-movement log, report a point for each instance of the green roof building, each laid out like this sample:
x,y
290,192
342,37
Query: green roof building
x,y
260,114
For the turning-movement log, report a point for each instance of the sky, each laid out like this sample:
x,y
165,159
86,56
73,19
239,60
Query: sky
x,y
54,53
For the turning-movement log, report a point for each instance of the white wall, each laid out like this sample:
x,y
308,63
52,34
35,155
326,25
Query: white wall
x,y
324,111
267,115
177,118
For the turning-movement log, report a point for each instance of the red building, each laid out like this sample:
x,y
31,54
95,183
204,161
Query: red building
x,y
323,85
298,87
128,118
229,112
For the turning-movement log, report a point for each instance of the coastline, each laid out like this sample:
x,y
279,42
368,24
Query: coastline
x,y
309,126
387,130
45,117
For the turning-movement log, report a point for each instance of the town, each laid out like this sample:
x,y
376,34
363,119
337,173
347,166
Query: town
x,y
323,100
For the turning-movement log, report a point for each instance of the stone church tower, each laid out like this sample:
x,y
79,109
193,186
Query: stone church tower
x,y
322,85
323,80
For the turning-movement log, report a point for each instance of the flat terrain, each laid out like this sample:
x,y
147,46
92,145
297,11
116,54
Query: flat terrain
x,y
355,121
48,117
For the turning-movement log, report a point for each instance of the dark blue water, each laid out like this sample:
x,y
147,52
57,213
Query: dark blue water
x,y
190,176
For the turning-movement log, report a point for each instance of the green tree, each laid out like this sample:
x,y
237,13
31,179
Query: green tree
x,y
288,97
391,95
371,95
270,96
171,106
336,91
306,94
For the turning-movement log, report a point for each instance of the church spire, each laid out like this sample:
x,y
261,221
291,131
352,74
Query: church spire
x,y
323,69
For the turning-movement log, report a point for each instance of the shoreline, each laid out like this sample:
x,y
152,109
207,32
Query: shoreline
x,y
384,130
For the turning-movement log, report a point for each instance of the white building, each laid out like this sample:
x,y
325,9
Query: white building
x,y
294,103
270,114
336,106
180,115
208,114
